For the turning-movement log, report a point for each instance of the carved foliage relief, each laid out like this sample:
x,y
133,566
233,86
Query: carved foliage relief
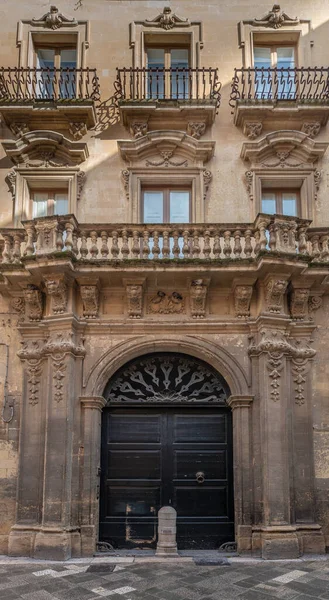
x,y
165,303
57,289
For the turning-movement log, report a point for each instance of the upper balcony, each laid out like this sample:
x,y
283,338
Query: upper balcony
x,y
280,98
49,98
181,98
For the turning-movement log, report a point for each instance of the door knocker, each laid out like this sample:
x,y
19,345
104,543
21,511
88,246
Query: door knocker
x,y
199,476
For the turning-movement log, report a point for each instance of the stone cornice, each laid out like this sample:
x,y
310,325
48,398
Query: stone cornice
x,y
288,148
240,401
93,402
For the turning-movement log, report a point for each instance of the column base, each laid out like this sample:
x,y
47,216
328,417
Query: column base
x,y
21,540
244,539
273,543
56,544
88,540
311,539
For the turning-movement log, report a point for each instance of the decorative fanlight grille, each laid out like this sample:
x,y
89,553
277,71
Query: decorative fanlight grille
x,y
167,378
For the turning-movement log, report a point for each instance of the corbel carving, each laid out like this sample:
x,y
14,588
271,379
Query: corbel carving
x,y
242,299
58,291
33,303
249,175
198,297
81,179
207,177
126,178
252,129
311,129
134,300
275,18
19,128
11,179
317,179
77,129
196,130
167,20
299,303
138,129
90,300
165,304
275,289
53,19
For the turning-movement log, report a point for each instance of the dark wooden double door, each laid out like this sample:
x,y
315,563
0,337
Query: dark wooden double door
x,y
166,456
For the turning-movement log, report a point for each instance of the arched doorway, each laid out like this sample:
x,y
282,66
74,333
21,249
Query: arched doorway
x,y
166,439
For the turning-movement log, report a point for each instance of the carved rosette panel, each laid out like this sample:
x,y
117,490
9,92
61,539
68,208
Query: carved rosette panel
x,y
275,290
299,303
33,303
138,129
134,301
31,354
58,291
196,130
198,298
299,369
167,379
166,304
242,299
90,301
59,369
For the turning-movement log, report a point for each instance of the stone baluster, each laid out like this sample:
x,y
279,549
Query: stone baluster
x,y
7,253
69,236
227,244
324,248
237,243
315,239
136,246
75,242
257,241
104,246
217,246
115,245
146,245
166,246
302,240
186,245
196,245
272,237
156,247
29,249
59,239
125,245
94,247
84,245
176,249
262,228
17,248
248,245
207,247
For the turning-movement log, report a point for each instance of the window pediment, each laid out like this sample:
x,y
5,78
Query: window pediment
x,y
283,148
44,149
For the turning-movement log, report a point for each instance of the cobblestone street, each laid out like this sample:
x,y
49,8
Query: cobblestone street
x,y
147,579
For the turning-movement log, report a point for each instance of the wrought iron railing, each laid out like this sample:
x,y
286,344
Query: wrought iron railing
x,y
304,84
26,84
169,84
157,242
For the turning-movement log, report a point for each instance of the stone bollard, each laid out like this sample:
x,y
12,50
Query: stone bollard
x,y
167,545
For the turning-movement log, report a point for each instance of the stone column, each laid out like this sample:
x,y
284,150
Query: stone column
x,y
242,466
91,421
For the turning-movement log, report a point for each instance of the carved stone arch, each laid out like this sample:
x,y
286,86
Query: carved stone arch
x,y
214,355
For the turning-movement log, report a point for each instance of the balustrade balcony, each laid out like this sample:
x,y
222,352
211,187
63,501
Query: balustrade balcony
x,y
280,97
168,97
68,94
178,244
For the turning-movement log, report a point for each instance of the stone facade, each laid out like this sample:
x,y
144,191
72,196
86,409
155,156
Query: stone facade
x,y
83,293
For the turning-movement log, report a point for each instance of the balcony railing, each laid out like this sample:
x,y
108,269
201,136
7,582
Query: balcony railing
x,y
26,84
183,84
305,84
63,236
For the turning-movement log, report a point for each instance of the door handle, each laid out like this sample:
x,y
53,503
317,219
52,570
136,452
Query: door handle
x,y
199,476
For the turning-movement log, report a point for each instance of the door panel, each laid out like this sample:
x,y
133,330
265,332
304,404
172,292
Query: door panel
x,y
151,458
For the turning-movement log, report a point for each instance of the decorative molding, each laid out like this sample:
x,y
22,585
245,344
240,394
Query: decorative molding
x,y
299,303
33,303
275,289
275,19
281,160
207,177
165,304
11,179
58,291
312,129
198,298
78,129
134,300
196,130
252,129
31,354
138,129
167,20
53,19
285,233
19,128
242,299
45,149
81,180
299,368
284,148
279,342
249,175
18,304
317,180
90,300
314,303
126,179
166,157
274,366
63,343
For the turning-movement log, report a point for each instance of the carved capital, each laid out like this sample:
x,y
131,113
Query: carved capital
x,y
33,303
196,129
252,129
198,298
90,300
138,129
299,303
58,291
93,402
242,299
275,289
59,344
134,300
239,402
311,129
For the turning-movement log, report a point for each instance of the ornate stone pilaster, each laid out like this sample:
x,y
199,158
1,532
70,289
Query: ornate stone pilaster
x,y
198,298
91,419
57,289
90,300
242,445
33,303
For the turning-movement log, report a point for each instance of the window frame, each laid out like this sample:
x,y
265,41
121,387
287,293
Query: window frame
x,y
273,48
278,192
51,198
166,199
57,47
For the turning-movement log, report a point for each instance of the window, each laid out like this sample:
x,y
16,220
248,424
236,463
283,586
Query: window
x,y
275,75
283,202
168,74
46,203
166,205
56,72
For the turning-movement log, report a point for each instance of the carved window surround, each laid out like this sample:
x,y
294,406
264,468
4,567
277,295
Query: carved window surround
x,y
284,159
166,158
